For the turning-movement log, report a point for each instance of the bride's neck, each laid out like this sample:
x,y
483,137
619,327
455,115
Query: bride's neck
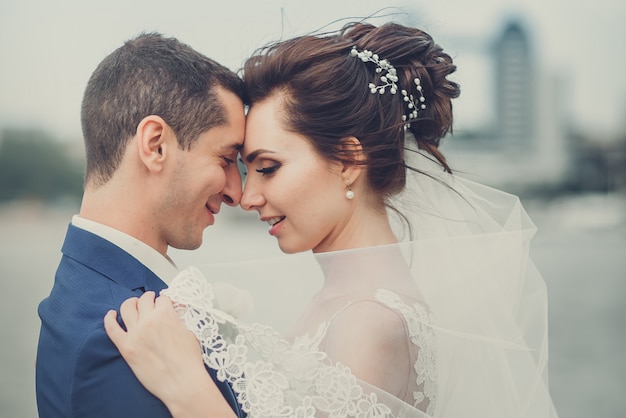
x,y
363,269
362,255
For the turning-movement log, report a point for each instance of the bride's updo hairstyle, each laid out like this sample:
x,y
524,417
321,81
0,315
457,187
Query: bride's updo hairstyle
x,y
327,95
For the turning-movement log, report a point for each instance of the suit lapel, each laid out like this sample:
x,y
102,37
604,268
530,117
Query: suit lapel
x,y
109,260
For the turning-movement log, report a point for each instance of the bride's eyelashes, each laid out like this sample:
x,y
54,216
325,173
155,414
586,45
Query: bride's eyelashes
x,y
269,169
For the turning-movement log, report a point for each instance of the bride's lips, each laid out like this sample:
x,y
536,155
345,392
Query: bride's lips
x,y
275,223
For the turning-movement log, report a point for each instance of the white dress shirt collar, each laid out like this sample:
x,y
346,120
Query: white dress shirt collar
x,y
160,265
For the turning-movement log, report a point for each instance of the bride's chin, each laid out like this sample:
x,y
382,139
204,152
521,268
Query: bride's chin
x,y
289,249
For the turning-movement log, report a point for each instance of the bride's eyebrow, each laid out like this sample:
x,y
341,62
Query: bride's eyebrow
x,y
252,156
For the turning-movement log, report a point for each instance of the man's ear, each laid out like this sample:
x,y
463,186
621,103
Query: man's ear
x,y
154,140
354,159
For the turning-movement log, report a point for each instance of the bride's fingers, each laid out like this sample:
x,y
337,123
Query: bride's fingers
x,y
164,299
113,329
145,303
129,312
164,303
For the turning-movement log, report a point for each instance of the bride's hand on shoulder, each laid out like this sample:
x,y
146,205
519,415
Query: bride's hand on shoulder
x,y
165,356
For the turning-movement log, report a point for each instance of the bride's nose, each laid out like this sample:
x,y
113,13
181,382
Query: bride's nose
x,y
251,198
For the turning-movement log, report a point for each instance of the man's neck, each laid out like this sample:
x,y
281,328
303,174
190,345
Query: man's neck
x,y
110,206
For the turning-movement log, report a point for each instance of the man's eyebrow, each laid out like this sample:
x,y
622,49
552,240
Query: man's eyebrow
x,y
250,157
232,147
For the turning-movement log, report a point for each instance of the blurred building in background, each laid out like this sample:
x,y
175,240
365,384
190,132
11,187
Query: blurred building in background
x,y
515,74
530,147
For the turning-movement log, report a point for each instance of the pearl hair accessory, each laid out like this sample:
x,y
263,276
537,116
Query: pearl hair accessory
x,y
389,78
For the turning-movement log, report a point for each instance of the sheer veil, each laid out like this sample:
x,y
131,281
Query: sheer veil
x,y
475,310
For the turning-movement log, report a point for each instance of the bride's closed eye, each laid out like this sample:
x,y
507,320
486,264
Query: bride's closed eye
x,y
269,169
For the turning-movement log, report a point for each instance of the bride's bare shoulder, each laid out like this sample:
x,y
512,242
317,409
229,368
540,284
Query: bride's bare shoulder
x,y
372,340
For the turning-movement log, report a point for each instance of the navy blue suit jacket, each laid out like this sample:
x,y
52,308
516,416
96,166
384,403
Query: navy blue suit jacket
x,y
79,372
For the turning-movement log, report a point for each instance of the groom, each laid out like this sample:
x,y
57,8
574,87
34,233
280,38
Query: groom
x,y
162,126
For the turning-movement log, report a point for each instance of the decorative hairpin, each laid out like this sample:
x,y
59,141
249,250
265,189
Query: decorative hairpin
x,y
388,79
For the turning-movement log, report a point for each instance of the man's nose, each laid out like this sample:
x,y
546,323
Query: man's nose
x,y
231,195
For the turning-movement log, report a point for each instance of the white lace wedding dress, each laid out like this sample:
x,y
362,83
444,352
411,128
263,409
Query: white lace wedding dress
x,y
453,320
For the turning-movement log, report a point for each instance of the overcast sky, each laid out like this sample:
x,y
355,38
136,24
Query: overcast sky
x,y
48,49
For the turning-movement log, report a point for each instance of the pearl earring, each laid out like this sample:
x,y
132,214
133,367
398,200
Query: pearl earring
x,y
349,193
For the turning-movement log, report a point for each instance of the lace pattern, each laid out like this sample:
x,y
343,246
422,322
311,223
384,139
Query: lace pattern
x,y
275,378
419,323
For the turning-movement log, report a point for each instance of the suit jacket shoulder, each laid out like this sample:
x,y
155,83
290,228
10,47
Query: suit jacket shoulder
x,y
79,371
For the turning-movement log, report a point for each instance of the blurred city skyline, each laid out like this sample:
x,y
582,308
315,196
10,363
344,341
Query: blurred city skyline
x,y
49,49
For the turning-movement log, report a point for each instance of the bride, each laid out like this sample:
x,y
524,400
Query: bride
x,y
428,305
